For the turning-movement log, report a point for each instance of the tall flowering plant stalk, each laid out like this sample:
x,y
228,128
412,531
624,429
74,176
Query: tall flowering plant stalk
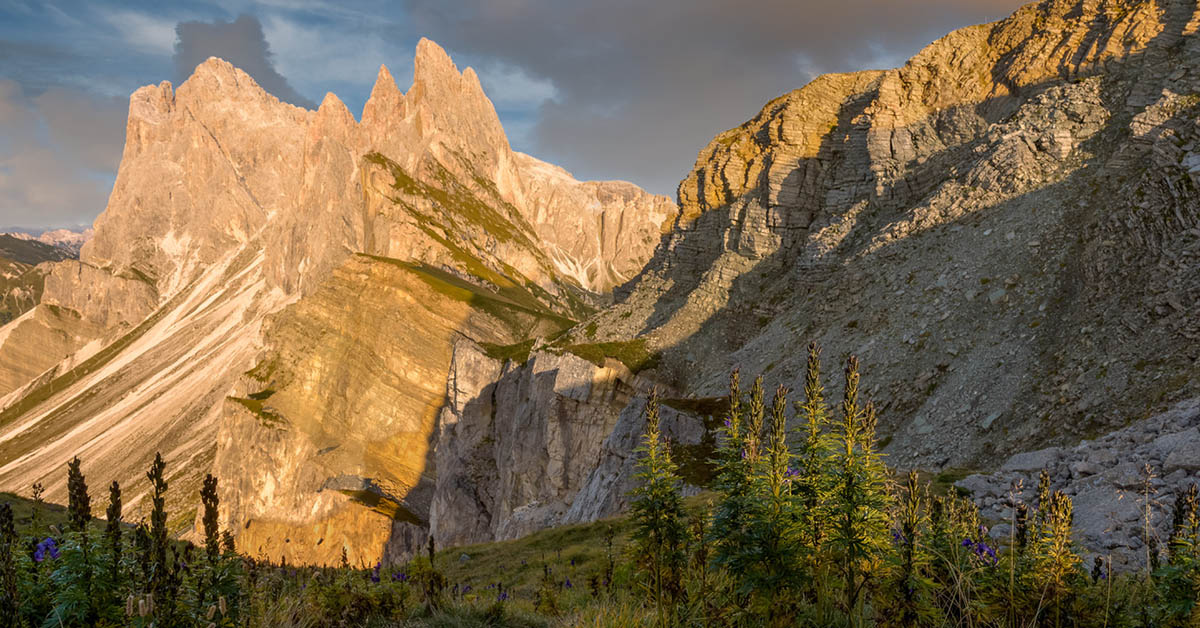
x,y
72,576
774,561
1058,567
1179,579
907,597
659,531
160,576
8,567
860,499
733,476
812,481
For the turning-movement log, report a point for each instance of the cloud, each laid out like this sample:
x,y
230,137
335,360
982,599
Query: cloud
x,y
510,86
640,87
339,54
240,42
146,33
57,155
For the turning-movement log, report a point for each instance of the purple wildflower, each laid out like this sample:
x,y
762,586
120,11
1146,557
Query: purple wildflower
x,y
502,597
967,543
567,584
46,547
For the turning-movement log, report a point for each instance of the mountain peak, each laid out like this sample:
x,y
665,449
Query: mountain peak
x,y
432,64
385,98
215,65
216,76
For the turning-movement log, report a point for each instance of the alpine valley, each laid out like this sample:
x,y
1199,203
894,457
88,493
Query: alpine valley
x,y
382,328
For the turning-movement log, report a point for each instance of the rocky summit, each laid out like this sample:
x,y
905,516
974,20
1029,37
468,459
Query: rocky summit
x,y
272,294
378,329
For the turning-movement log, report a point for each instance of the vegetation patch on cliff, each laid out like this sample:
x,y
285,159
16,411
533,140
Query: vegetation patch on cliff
x,y
517,352
632,353
518,309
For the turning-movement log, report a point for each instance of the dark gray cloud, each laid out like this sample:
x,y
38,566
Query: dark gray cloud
x,y
240,42
58,153
642,86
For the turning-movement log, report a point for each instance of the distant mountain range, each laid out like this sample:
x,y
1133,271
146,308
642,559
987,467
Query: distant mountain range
x,y
68,240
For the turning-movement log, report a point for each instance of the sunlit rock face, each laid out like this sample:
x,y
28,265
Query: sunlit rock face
x,y
1003,230
356,324
272,295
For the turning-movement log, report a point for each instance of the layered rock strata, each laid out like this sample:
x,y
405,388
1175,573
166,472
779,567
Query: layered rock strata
x,y
272,293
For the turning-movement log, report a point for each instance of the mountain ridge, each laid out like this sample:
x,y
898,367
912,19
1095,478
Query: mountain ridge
x,y
204,269
1004,230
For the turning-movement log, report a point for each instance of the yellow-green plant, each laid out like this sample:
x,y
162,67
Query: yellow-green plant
x,y
859,501
659,532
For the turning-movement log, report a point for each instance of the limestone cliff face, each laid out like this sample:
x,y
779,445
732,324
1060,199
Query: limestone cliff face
x,y
334,260
522,447
601,232
1002,229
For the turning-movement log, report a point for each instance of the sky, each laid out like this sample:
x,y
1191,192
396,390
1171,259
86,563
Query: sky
x,y
608,89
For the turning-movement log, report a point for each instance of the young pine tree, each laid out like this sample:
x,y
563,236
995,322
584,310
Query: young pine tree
x,y
858,537
112,531
659,531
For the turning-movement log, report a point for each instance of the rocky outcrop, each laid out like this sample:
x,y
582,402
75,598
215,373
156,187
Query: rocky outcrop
x,y
311,250
601,233
80,305
1107,479
1002,229
24,264
522,447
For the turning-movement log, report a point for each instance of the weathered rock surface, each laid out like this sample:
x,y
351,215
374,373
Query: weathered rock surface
x,y
1107,480
333,260
602,232
1002,230
522,447
22,274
